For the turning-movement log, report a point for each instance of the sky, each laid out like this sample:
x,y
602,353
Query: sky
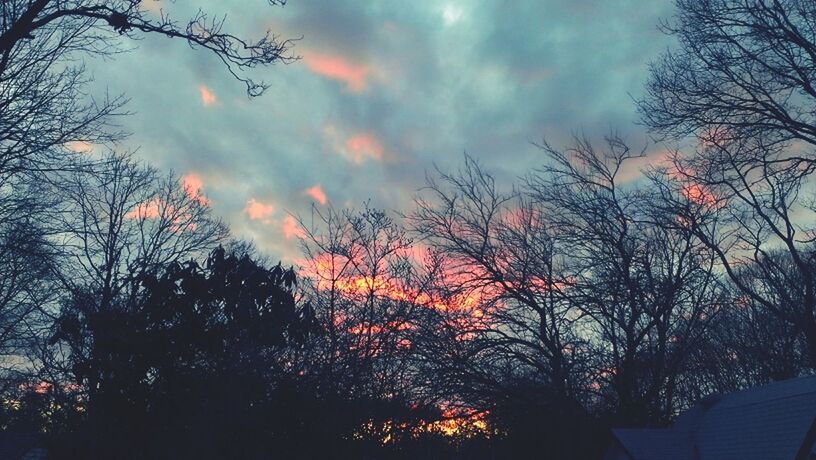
x,y
383,92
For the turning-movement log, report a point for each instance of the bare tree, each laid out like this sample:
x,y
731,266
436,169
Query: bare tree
x,y
46,114
94,26
643,282
28,287
745,345
28,291
363,287
509,325
117,222
45,109
747,200
121,219
742,69
742,83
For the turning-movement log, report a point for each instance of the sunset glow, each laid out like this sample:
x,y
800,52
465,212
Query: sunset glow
x,y
442,230
324,272
258,210
208,98
465,424
291,229
339,68
194,188
149,210
79,146
364,146
700,195
461,424
316,193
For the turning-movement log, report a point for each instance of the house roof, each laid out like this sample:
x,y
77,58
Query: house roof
x,y
654,444
774,421
17,445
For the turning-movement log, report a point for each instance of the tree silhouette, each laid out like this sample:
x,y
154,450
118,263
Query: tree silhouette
x,y
742,69
194,367
741,83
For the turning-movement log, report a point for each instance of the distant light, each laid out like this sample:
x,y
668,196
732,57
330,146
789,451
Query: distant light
x,y
451,14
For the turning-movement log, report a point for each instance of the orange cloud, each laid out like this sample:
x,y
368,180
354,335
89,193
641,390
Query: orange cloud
x,y
208,98
291,228
338,68
325,272
78,146
362,146
700,195
257,210
317,194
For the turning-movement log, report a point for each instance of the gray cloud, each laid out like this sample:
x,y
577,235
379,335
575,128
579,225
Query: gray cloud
x,y
486,77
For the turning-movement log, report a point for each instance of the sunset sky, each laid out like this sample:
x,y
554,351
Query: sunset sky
x,y
384,91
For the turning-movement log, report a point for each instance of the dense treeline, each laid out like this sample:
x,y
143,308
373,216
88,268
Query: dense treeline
x,y
488,321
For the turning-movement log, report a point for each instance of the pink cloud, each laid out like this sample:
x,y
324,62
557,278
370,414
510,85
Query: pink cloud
x,y
257,210
338,68
362,146
700,195
317,194
193,183
291,228
179,218
148,210
194,187
208,98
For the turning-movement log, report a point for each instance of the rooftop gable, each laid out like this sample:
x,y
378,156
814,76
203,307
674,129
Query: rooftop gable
x,y
775,421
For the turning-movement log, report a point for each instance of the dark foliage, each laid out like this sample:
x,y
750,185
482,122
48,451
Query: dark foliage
x,y
194,369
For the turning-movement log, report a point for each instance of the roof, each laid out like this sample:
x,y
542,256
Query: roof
x,y
654,444
17,445
775,421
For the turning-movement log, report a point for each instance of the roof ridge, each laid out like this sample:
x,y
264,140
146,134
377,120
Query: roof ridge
x,y
753,403
760,388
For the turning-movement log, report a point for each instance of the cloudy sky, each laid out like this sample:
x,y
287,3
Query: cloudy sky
x,y
384,91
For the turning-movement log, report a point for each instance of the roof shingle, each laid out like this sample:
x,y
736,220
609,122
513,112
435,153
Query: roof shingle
x,y
770,422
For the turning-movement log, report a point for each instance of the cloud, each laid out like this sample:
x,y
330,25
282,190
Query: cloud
x,y
701,195
79,146
364,146
153,6
192,183
149,210
194,187
257,210
355,147
397,84
208,98
451,14
316,193
336,67
291,228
